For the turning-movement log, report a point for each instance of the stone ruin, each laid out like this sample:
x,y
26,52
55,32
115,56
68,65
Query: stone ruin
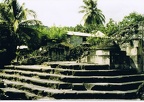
x,y
108,73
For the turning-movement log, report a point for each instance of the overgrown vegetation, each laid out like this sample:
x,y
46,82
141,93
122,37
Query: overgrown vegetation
x,y
14,29
17,30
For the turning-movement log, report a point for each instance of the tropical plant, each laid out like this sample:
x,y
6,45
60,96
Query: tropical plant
x,y
57,34
128,28
111,27
92,15
15,29
132,18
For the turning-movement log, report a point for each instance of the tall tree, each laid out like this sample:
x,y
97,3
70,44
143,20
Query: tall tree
x,y
15,28
111,27
92,15
128,28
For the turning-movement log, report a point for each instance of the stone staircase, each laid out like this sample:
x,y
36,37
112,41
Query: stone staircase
x,y
68,81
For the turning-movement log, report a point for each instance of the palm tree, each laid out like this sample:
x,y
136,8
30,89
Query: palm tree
x,y
15,29
92,15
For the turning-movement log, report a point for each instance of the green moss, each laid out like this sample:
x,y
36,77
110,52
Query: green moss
x,y
88,86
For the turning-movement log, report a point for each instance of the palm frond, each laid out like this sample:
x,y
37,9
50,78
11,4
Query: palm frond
x,y
16,8
82,11
92,13
4,13
30,22
27,35
32,13
15,25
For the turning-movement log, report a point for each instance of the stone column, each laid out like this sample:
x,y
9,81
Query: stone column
x,y
135,53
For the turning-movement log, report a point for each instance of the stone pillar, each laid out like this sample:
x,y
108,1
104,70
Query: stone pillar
x,y
135,53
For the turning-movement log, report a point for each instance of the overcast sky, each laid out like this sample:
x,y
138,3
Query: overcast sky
x,y
65,12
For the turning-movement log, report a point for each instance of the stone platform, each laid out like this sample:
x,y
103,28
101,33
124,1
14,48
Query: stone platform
x,y
68,80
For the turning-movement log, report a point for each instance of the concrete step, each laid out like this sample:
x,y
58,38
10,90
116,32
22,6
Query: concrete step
x,y
56,63
74,72
73,94
65,85
74,86
15,94
72,81
80,66
2,84
72,66
34,89
131,94
59,71
85,79
97,79
110,72
37,81
125,86
37,68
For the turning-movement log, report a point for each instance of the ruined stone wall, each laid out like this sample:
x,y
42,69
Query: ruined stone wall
x,y
130,56
134,51
99,57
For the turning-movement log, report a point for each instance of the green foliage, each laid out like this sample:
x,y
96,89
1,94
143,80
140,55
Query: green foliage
x,y
111,27
128,28
37,60
57,33
101,43
14,29
52,34
94,40
79,28
75,52
132,18
92,15
91,28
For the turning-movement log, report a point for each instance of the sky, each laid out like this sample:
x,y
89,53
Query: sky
x,y
66,12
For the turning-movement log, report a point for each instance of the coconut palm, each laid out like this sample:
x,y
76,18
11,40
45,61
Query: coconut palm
x,y
15,29
92,15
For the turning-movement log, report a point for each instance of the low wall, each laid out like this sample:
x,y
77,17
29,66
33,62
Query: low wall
x,y
131,56
115,58
135,52
111,57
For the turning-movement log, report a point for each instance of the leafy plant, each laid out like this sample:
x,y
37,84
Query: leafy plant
x,y
92,15
14,28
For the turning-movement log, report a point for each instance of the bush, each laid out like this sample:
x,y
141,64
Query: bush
x,y
34,60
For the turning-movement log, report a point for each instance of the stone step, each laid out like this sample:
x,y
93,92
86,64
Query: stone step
x,y
75,86
131,94
56,63
73,94
2,84
37,81
73,81
110,72
125,86
34,89
85,79
38,68
81,86
80,66
74,66
74,72
97,79
15,94
46,99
